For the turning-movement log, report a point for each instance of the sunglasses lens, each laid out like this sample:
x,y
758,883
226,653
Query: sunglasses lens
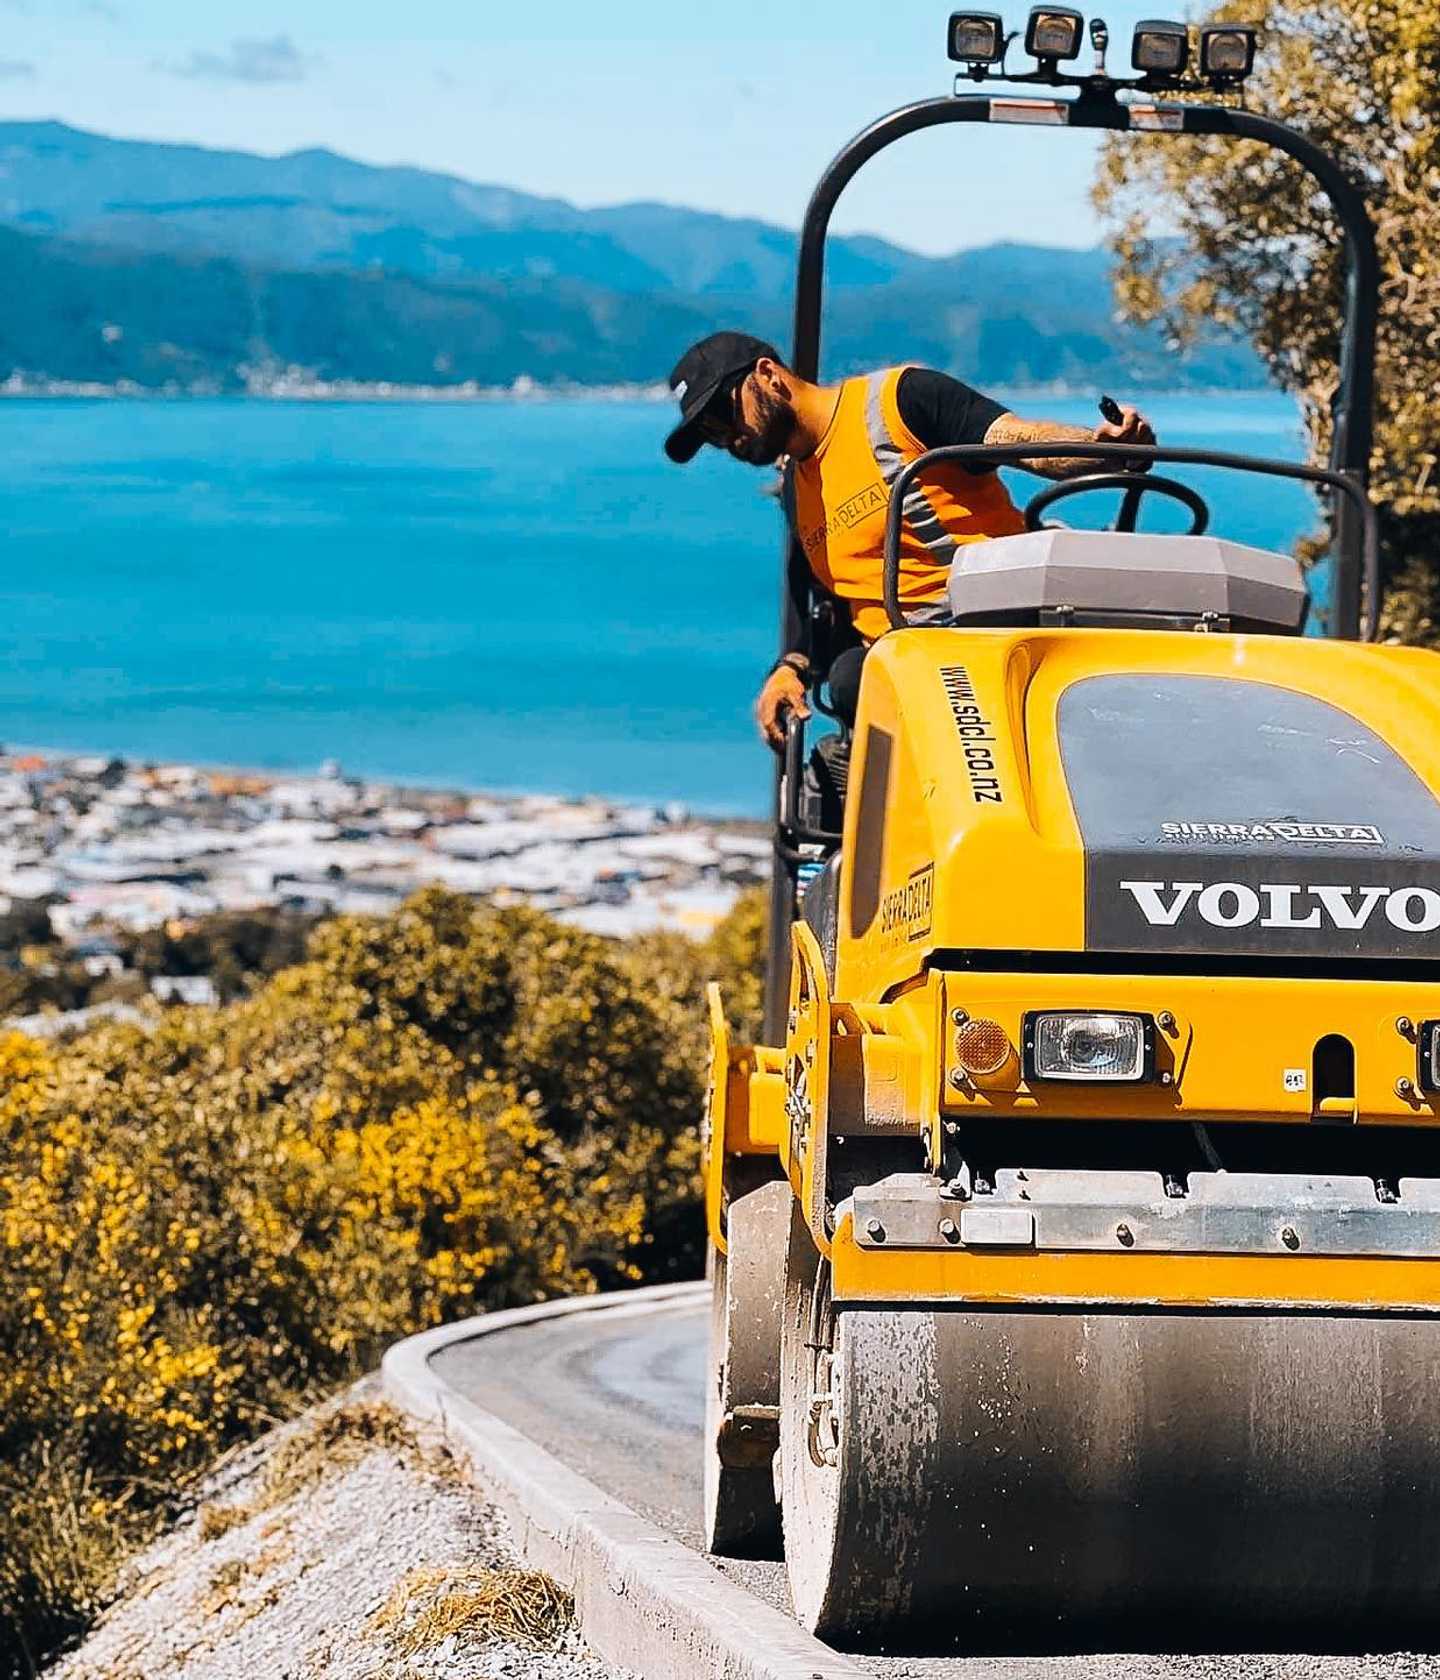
x,y
719,418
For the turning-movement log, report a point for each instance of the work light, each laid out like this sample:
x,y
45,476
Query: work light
x,y
1160,48
1054,33
1429,1041
1227,52
977,37
1089,1047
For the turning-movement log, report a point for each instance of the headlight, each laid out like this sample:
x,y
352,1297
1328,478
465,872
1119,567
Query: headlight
x,y
1227,52
977,37
1428,1039
1053,33
1087,1047
1160,48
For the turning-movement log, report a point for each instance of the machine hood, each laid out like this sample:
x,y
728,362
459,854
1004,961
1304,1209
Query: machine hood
x,y
1242,817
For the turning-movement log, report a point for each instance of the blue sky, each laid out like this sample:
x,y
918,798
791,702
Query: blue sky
x,y
733,107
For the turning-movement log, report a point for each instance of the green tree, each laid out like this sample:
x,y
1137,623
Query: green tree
x,y
26,922
234,948
1259,248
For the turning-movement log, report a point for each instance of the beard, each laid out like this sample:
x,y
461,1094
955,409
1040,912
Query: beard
x,y
776,426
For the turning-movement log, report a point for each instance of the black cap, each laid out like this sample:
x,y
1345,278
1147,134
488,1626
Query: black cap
x,y
699,374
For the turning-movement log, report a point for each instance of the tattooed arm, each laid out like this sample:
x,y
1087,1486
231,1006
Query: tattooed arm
x,y
1010,428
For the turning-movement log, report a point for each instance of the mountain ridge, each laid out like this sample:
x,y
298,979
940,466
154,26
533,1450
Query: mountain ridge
x,y
365,272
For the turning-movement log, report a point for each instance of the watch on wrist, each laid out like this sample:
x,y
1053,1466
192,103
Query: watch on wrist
x,y
796,662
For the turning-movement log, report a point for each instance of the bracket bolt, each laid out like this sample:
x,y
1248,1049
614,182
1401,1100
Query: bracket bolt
x,y
1165,1021
1405,1026
874,1230
959,1016
1405,1088
957,1078
1125,1236
1167,1078
949,1230
1290,1237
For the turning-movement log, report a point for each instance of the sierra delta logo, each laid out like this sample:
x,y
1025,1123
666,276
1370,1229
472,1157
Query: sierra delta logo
x,y
1273,833
1233,904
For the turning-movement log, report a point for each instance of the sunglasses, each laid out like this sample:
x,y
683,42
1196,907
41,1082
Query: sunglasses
x,y
720,418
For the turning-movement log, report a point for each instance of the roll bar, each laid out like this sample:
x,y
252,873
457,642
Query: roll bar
x,y
1099,109
1020,454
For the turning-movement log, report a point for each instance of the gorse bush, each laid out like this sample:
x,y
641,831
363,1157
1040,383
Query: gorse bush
x,y
439,1112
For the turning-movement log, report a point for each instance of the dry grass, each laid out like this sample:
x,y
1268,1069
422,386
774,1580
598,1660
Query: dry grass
x,y
225,1583
514,1606
217,1520
337,1440
78,1536
334,1441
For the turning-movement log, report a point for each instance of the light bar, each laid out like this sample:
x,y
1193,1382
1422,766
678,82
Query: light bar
x,y
977,37
1089,1047
1160,48
1054,33
1227,51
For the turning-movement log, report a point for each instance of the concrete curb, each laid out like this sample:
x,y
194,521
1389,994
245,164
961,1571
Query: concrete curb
x,y
645,1601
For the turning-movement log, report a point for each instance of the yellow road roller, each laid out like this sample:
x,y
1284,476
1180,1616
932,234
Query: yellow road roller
x,y
1075,1230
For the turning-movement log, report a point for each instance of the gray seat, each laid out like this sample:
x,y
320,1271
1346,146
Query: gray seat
x,y
1105,578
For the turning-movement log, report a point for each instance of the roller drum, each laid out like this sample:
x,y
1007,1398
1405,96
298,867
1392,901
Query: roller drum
x,y
1023,1476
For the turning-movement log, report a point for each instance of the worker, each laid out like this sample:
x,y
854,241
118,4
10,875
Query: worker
x,y
846,445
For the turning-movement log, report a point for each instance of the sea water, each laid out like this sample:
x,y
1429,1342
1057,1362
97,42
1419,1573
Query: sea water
x,y
510,596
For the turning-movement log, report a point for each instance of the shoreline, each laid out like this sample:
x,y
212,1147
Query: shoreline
x,y
13,747
297,386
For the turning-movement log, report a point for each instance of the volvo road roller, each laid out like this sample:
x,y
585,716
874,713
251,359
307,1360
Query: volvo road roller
x,y
1076,1228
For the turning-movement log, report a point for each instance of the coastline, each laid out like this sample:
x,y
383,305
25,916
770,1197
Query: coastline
x,y
298,385
427,787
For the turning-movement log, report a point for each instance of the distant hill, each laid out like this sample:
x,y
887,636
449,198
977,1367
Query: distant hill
x,y
315,209
132,260
94,313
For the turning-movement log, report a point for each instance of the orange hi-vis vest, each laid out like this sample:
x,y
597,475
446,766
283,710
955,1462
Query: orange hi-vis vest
x,y
842,496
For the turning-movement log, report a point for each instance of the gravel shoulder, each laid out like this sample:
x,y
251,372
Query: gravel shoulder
x,y
342,1546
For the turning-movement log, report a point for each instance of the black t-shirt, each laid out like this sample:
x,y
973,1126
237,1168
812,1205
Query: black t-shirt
x,y
941,411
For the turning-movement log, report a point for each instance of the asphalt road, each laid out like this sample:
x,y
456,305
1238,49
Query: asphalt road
x,y
619,1399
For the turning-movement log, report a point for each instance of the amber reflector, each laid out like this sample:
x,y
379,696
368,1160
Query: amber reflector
x,y
982,1047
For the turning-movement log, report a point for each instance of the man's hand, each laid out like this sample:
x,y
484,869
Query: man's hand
x,y
783,694
1132,427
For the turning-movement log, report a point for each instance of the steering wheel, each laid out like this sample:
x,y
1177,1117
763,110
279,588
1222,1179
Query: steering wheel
x,y
1136,487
